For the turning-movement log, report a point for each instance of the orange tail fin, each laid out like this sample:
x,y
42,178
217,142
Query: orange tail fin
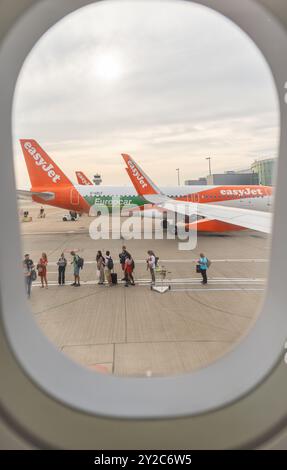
x,y
142,183
43,171
83,179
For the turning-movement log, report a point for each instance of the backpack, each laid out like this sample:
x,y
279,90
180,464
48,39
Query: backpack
x,y
208,262
110,264
80,262
122,258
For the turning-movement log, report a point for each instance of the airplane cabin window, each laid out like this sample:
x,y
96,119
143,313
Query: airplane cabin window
x,y
137,287
107,315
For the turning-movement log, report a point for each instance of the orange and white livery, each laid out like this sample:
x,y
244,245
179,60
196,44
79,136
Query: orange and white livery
x,y
83,179
50,185
213,217
48,182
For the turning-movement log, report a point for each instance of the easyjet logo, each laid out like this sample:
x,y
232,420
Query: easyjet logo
x,y
83,179
137,174
41,162
242,192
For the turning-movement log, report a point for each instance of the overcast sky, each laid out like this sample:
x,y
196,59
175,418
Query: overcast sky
x,y
168,82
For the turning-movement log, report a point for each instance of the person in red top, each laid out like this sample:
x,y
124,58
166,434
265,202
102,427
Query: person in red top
x,y
128,269
42,269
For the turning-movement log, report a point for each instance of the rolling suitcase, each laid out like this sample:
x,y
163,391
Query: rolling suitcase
x,y
114,278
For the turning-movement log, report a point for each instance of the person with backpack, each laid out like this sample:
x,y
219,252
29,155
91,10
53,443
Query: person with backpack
x,y
151,264
203,263
123,255
100,267
129,267
42,270
76,266
156,258
109,266
62,263
29,273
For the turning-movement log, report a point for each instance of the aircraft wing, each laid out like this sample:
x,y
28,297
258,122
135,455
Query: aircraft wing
x,y
251,219
255,220
45,195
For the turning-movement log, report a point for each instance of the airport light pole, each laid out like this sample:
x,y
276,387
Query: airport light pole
x,y
178,180
209,164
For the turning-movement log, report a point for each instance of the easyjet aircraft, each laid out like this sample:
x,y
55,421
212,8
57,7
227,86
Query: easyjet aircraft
x,y
83,179
49,185
212,216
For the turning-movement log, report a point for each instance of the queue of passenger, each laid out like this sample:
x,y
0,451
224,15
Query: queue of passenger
x,y
105,268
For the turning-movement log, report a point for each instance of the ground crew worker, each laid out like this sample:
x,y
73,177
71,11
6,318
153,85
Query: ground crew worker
x,y
203,266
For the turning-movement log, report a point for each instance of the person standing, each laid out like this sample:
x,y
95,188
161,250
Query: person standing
x,y
129,267
76,267
101,267
42,270
203,266
28,267
123,255
62,263
151,265
109,266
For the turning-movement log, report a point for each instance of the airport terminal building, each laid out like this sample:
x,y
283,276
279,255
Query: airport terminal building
x,y
265,170
261,172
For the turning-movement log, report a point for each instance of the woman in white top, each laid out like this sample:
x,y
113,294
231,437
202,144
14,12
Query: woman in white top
x,y
151,265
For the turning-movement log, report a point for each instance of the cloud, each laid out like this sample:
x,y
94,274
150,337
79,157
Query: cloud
x,y
192,84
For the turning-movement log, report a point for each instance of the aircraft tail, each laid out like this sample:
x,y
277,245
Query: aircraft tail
x,y
43,171
142,183
83,179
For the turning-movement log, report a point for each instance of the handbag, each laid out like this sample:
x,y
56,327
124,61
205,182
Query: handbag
x,y
39,268
198,270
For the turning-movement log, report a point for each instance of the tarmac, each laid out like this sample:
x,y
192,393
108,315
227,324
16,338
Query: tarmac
x,y
135,331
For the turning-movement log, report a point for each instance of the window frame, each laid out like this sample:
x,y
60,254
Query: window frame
x,y
190,395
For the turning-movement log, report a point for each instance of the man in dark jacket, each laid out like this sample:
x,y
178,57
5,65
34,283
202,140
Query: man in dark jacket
x,y
123,256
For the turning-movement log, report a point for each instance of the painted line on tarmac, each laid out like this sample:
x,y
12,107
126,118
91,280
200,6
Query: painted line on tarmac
x,y
183,261
56,233
186,280
210,280
143,282
206,289
196,289
194,260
